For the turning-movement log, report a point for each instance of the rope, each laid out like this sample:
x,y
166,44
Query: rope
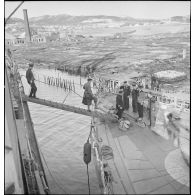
x,y
65,97
51,174
13,12
107,152
88,179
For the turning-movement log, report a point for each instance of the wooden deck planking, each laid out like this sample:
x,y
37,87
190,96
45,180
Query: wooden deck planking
x,y
120,165
143,173
128,148
117,186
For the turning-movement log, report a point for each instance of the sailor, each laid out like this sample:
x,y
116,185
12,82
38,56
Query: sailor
x,y
119,103
140,102
88,95
134,93
31,80
126,93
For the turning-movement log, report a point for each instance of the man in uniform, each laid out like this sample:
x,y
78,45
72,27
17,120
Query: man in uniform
x,y
31,81
140,102
126,93
135,94
119,103
88,95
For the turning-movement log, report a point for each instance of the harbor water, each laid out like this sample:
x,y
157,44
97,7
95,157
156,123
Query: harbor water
x,y
61,135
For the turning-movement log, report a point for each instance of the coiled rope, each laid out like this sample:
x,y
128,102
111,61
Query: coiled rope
x,y
107,152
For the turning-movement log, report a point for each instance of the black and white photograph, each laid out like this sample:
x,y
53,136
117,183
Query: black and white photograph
x,y
97,97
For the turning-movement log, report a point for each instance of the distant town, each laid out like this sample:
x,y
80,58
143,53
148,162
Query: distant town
x,y
70,28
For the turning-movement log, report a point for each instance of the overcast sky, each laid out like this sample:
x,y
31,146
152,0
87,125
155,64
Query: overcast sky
x,y
139,9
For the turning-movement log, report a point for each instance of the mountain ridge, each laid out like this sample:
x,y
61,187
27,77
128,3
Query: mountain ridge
x,y
65,19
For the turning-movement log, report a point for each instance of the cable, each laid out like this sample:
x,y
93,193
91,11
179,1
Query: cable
x,y
65,97
88,179
13,12
51,174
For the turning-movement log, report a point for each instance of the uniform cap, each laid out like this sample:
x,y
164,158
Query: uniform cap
x,y
31,64
89,78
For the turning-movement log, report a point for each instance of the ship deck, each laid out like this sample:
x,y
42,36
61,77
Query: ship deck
x,y
144,162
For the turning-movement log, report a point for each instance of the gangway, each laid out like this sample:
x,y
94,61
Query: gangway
x,y
61,106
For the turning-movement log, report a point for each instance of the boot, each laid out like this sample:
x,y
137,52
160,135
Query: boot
x,y
34,95
89,108
30,94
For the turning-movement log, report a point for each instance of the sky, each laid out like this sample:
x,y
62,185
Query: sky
x,y
139,9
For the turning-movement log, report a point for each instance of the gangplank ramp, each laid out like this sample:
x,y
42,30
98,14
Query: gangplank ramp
x,y
61,106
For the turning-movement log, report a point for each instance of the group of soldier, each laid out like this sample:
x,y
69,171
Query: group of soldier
x,y
122,98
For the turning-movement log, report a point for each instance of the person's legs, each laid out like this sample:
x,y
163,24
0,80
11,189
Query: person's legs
x,y
127,103
138,109
95,101
31,91
119,113
34,89
134,104
141,111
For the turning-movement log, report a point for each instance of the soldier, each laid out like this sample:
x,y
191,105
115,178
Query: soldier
x,y
30,79
140,103
126,94
88,95
119,103
134,93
